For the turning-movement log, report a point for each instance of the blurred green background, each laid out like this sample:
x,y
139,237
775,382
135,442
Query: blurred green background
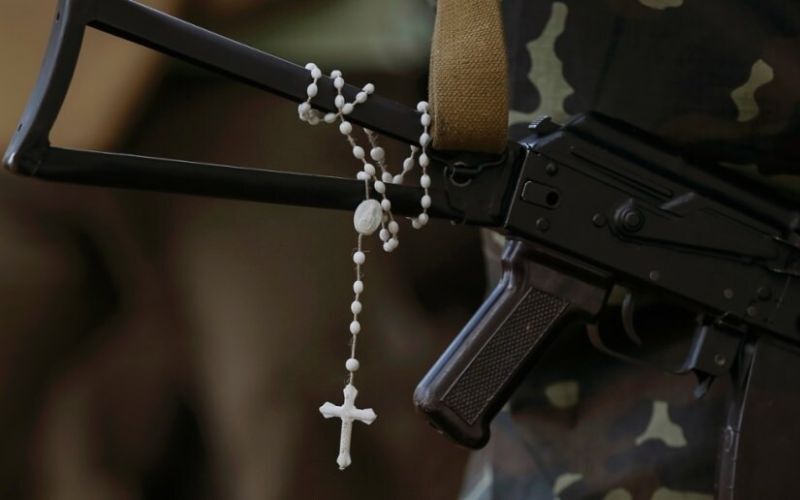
x,y
157,346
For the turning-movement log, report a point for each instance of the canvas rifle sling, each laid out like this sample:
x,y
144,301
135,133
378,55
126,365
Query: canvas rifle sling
x,y
468,77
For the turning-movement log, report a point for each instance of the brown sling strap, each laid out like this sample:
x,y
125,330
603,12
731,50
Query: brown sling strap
x,y
468,77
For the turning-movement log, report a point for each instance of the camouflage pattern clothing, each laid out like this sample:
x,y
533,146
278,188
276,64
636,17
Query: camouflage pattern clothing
x,y
720,79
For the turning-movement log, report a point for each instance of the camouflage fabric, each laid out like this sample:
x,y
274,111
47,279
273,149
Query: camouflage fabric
x,y
720,79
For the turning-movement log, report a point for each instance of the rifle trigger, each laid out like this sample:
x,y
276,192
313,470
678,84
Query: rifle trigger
x,y
628,311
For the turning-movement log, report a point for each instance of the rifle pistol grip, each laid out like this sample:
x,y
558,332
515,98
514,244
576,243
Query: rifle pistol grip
x,y
480,369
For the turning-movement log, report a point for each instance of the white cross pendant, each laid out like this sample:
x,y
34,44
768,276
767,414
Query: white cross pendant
x,y
347,412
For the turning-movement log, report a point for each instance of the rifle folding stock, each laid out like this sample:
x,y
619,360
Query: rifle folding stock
x,y
30,152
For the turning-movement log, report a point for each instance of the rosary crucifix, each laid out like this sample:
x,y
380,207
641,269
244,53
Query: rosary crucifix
x,y
348,413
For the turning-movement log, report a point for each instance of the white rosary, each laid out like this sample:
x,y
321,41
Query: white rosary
x,y
370,215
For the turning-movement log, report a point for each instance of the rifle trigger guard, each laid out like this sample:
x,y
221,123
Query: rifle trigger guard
x,y
713,352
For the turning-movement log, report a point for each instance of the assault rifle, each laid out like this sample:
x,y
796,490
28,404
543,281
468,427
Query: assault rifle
x,y
586,206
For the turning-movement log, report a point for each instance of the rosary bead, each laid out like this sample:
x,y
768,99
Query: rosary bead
x,y
386,205
361,97
310,66
422,107
380,187
394,227
313,119
358,286
408,164
338,101
416,224
359,257
377,154
424,161
425,201
425,120
330,117
358,152
384,235
345,128
311,90
425,181
369,88
355,327
387,178
338,82
423,218
366,220
355,307
362,176
304,108
391,245
347,108
336,74
316,73
352,365
397,179
424,139
369,168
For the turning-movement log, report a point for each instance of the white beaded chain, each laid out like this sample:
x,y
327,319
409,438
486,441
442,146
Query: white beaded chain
x,y
424,161
370,216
